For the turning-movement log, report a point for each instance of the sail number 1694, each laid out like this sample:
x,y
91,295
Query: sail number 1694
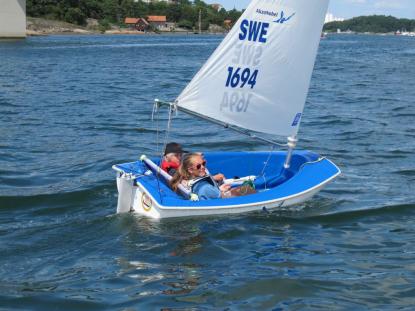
x,y
241,77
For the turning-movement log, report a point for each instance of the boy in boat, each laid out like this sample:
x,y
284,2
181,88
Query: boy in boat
x,y
172,158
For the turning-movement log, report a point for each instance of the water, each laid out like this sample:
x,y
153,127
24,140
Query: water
x,y
72,106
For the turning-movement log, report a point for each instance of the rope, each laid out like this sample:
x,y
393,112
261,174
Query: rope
x,y
160,151
266,164
311,162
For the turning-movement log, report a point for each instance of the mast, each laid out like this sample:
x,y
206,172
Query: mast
x,y
291,143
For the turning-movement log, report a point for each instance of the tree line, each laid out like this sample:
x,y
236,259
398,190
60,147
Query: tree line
x,y
184,12
374,24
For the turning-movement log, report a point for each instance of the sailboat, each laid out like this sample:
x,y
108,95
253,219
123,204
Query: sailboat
x,y
256,82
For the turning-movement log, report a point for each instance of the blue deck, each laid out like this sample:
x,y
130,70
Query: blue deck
x,y
272,183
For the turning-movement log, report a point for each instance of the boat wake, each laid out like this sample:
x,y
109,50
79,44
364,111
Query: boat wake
x,y
59,202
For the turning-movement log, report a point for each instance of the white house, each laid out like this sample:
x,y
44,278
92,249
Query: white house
x,y
13,19
331,18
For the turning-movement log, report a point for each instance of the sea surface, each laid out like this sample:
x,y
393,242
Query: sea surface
x,y
73,106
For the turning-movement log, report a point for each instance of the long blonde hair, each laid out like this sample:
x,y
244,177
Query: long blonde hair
x,y
183,172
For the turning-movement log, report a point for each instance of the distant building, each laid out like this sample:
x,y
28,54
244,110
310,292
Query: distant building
x,y
331,18
13,19
158,22
137,23
217,6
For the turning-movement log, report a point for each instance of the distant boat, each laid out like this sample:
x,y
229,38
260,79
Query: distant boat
x,y
255,82
404,33
408,34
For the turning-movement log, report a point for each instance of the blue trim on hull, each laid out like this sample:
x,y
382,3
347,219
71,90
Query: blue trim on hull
x,y
306,172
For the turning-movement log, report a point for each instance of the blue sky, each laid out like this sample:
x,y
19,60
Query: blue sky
x,y
349,8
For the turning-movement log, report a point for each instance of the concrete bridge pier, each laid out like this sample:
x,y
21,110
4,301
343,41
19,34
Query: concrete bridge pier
x,y
13,19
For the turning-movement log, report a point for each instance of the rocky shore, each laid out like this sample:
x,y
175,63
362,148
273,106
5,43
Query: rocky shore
x,y
40,26
44,27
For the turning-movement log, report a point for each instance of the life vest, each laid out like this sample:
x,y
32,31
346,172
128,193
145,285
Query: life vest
x,y
170,167
191,184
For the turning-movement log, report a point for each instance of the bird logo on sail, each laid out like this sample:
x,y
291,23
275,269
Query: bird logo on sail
x,y
280,15
282,19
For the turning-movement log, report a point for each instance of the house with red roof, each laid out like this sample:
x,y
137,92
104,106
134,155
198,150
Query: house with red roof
x,y
157,22
160,23
137,23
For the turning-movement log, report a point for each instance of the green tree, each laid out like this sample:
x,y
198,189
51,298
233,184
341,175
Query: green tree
x,y
114,11
104,24
110,10
173,12
184,23
91,8
374,23
234,15
75,16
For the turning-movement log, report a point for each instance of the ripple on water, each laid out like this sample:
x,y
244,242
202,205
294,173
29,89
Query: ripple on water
x,y
72,106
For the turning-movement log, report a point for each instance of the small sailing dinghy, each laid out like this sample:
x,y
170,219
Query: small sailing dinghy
x,y
256,81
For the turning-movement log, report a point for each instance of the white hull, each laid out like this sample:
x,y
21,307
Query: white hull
x,y
141,202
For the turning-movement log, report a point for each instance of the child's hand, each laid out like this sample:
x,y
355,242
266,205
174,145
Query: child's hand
x,y
225,191
219,177
224,188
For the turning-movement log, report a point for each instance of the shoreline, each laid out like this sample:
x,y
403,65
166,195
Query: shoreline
x,y
47,32
31,33
44,27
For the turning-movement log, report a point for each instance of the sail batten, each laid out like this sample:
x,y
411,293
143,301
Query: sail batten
x,y
258,77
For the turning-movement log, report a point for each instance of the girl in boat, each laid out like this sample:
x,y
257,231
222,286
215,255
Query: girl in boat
x,y
192,174
172,158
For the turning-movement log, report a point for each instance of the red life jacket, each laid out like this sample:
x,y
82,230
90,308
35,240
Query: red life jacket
x,y
169,167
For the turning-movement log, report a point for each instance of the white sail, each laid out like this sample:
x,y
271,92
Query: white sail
x,y
258,77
